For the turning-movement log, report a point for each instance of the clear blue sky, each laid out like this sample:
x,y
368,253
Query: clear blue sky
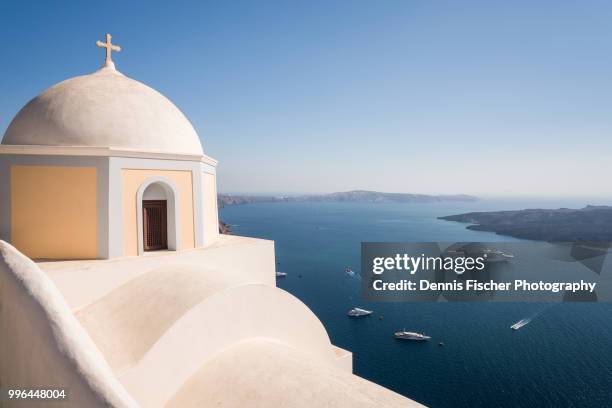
x,y
482,97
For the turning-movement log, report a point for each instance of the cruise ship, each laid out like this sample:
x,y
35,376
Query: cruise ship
x,y
358,312
406,335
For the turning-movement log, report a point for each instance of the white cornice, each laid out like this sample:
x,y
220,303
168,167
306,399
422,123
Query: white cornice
x,y
102,152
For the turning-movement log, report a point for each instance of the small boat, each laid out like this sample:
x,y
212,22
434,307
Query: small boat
x,y
520,324
358,312
281,274
495,255
406,335
489,255
441,344
350,272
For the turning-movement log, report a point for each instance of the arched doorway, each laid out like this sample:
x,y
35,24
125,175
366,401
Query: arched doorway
x,y
157,216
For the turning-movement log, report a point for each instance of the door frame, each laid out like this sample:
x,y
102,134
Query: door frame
x,y
173,216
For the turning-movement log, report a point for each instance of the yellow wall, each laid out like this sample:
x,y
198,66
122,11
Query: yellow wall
x,y
53,211
209,202
131,180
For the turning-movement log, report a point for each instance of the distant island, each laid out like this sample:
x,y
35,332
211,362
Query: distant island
x,y
588,224
346,196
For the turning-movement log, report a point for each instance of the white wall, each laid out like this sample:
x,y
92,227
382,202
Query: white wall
x,y
211,213
42,343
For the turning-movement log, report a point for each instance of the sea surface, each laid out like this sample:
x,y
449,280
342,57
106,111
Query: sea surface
x,y
563,358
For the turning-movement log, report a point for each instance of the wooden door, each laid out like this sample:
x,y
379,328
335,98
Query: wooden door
x,y
154,222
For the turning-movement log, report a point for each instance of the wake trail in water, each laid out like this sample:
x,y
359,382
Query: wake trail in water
x,y
538,314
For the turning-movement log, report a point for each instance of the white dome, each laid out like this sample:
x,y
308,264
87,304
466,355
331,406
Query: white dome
x,y
104,109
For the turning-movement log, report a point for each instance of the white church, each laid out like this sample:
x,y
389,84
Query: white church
x,y
115,284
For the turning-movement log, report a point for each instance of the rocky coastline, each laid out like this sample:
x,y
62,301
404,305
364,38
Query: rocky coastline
x,y
588,224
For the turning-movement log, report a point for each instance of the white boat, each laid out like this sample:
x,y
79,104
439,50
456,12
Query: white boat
x,y
490,255
495,255
281,274
358,312
520,324
406,335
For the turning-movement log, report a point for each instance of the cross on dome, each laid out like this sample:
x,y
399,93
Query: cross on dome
x,y
109,49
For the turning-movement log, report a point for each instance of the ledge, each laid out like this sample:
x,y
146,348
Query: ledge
x,y
101,151
235,258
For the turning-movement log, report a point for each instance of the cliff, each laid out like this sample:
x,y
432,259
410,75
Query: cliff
x,y
224,228
588,224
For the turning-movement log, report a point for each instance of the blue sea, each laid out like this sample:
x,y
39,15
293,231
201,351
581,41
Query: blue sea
x,y
563,358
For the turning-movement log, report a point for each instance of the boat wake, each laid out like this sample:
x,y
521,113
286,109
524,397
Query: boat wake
x,y
527,320
351,273
520,323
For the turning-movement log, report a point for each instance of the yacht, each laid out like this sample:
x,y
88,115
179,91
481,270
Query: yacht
x,y
358,312
520,324
490,255
495,255
406,335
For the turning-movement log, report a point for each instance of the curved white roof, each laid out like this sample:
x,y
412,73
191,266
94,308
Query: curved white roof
x,y
104,109
271,374
187,329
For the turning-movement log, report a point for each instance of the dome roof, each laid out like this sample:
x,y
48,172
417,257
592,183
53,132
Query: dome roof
x,y
104,109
